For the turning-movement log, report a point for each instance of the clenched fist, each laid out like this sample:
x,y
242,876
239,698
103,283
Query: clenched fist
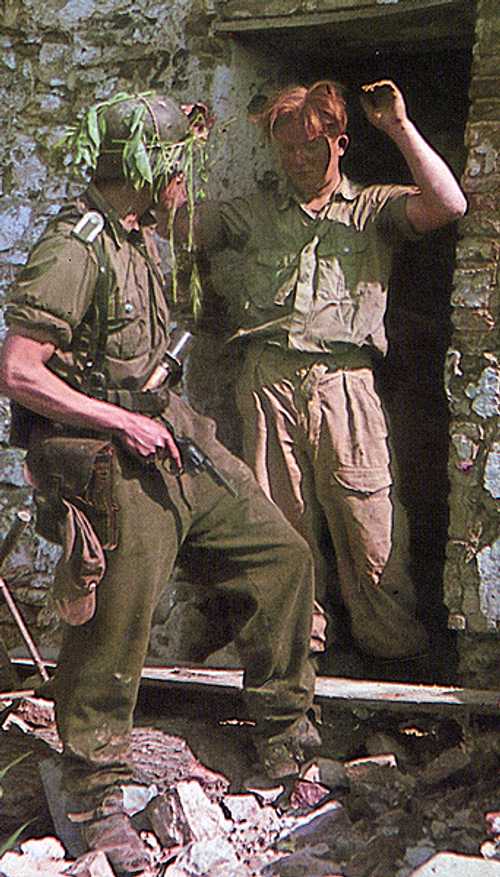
x,y
384,105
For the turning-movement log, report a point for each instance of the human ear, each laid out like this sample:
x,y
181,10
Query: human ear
x,y
342,143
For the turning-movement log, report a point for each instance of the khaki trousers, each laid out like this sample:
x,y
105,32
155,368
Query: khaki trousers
x,y
316,438
249,557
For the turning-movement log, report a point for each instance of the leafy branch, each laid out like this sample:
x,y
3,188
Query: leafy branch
x,y
147,160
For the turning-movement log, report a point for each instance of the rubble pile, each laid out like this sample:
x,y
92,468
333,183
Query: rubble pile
x,y
414,796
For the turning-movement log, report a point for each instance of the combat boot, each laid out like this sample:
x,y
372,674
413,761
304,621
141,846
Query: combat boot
x,y
281,756
110,831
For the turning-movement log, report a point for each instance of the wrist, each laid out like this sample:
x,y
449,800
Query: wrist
x,y
400,130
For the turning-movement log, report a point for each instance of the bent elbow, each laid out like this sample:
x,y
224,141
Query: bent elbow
x,y
459,207
10,378
15,374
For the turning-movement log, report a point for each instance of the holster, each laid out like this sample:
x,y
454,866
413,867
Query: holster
x,y
78,469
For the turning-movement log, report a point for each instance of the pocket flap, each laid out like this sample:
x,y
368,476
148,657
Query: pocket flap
x,y
363,480
65,463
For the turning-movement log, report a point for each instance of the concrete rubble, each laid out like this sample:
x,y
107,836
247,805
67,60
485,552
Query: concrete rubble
x,y
417,797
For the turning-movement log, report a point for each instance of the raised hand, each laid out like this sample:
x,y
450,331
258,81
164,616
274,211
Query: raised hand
x,y
384,105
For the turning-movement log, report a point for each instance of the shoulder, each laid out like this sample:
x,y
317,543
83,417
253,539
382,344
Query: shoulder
x,y
377,195
60,243
57,256
380,203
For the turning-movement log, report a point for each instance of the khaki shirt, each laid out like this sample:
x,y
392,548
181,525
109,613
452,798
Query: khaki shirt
x,y
54,296
313,282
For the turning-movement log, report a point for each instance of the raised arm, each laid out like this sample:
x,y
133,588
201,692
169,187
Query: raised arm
x,y
440,200
25,378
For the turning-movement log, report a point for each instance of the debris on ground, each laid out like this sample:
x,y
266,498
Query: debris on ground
x,y
408,797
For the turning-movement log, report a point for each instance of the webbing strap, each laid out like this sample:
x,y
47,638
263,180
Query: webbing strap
x,y
95,375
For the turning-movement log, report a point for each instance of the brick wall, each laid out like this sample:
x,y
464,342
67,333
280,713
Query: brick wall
x,y
472,573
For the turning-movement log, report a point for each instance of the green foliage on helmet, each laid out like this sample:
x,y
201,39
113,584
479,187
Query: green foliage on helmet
x,y
141,138
145,139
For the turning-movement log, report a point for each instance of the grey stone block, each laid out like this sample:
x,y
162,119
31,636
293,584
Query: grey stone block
x,y
453,865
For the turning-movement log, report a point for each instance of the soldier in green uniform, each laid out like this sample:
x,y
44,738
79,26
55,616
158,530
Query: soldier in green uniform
x,y
88,327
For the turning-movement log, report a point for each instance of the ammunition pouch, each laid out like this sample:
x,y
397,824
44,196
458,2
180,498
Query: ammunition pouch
x,y
80,470
73,479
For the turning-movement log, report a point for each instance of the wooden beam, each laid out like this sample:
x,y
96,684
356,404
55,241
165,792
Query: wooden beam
x,y
357,32
330,689
417,9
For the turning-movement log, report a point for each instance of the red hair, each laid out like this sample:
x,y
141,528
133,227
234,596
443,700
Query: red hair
x,y
320,109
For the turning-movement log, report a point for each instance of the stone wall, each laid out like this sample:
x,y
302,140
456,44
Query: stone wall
x,y
472,574
57,57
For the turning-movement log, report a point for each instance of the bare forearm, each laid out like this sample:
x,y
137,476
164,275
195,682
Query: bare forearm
x,y
441,197
25,378
43,392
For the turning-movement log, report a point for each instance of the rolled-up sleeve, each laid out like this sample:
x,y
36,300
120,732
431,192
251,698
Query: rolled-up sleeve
x,y
53,291
387,204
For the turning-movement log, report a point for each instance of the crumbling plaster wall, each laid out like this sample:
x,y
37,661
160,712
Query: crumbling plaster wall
x,y
472,573
56,57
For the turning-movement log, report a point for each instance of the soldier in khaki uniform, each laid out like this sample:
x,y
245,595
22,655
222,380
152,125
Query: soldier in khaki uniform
x,y
316,256
81,376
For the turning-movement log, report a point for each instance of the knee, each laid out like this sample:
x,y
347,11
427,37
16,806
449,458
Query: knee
x,y
299,555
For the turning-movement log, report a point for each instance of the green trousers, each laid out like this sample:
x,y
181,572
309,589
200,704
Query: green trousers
x,y
246,553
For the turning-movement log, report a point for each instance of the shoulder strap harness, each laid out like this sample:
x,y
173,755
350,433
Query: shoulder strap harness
x,y
88,230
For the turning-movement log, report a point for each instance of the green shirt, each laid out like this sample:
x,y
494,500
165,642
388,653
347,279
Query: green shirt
x,y
313,282
53,299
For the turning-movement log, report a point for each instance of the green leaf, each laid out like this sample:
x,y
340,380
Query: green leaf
x,y
196,290
11,841
13,764
142,163
93,127
138,118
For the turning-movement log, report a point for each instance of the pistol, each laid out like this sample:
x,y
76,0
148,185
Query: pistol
x,y
194,460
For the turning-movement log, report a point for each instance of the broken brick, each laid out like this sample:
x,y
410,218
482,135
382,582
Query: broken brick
x,y
91,865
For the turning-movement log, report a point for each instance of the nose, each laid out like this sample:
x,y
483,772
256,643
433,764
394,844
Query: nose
x,y
298,156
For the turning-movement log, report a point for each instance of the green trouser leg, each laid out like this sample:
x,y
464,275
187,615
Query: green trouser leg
x,y
245,551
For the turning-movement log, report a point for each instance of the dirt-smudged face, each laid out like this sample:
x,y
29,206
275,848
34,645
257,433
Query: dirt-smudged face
x,y
311,164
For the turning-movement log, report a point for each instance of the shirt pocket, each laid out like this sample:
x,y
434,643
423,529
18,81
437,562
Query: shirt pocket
x,y
341,257
127,335
271,278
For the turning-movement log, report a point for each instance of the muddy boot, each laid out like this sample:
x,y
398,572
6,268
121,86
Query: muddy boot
x,y
115,836
281,756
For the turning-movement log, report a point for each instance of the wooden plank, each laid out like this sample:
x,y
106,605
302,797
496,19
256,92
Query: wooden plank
x,y
330,689
355,692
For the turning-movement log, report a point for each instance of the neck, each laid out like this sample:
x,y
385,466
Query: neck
x,y
128,203
315,201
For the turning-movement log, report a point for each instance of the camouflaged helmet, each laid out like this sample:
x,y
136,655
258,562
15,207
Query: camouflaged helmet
x,y
136,127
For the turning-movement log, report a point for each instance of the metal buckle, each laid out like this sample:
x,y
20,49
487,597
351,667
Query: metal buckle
x,y
89,226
